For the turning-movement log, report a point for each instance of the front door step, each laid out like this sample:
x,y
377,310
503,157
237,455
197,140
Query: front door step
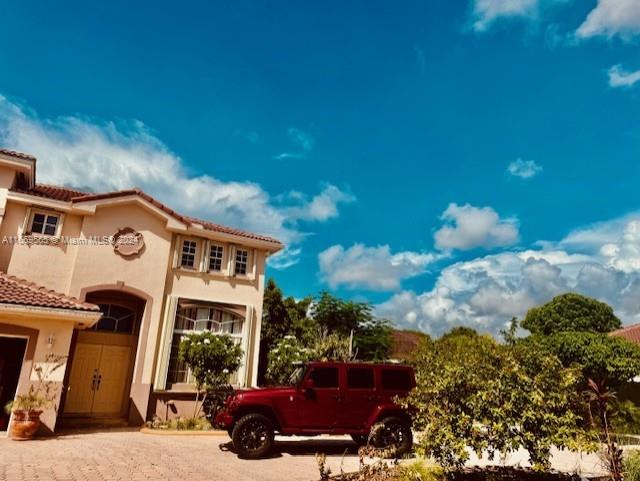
x,y
92,423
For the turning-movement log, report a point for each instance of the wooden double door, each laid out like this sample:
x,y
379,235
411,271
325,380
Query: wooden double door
x,y
100,375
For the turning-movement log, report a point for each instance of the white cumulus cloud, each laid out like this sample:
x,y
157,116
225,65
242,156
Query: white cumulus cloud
x,y
601,261
375,268
619,77
468,227
525,169
486,12
612,18
101,156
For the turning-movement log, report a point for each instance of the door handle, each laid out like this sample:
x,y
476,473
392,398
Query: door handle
x,y
99,381
94,380
337,397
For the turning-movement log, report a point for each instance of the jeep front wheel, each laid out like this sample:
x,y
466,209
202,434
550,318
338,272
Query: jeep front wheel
x,y
252,436
393,434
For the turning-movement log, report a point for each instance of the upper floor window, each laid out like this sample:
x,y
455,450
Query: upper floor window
x,y
188,254
44,223
215,258
242,261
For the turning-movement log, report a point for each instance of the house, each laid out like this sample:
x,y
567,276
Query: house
x,y
112,281
404,343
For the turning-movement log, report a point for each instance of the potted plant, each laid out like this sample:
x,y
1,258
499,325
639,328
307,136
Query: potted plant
x,y
27,408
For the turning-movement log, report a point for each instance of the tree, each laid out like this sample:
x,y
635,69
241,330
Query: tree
x,y
337,316
212,359
373,340
281,317
601,357
571,312
472,391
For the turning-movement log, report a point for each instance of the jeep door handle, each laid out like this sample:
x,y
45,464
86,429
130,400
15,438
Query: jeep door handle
x,y
372,398
337,397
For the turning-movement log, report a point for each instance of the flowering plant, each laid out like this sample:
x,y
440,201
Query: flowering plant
x,y
211,358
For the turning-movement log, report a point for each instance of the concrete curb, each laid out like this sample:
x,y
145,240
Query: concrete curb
x,y
182,432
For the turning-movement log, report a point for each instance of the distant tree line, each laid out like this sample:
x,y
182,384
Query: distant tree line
x,y
316,327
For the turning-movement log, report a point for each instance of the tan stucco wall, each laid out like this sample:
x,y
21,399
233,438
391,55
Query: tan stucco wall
x,y
62,332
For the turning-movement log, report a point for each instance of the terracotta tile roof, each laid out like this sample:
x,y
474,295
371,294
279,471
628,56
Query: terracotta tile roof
x,y
19,155
404,343
630,333
76,196
52,192
22,292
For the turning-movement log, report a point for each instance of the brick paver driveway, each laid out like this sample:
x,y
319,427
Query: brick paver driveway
x,y
124,455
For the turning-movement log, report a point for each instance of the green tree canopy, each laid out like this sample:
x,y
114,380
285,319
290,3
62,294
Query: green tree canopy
x,y
600,357
337,316
373,340
472,391
571,312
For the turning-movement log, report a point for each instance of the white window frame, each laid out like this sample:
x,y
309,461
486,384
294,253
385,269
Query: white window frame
x,y
31,213
223,263
196,256
240,338
248,263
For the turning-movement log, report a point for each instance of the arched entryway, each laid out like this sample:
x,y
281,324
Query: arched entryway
x,y
99,381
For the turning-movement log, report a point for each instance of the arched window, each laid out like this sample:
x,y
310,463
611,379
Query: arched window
x,y
116,318
197,317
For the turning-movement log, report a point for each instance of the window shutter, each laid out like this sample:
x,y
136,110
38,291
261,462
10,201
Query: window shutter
x,y
59,226
204,264
26,226
176,251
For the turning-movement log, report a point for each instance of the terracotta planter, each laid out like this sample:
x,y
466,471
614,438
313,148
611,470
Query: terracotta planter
x,y
24,425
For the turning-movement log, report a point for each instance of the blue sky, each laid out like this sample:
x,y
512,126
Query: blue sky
x,y
453,163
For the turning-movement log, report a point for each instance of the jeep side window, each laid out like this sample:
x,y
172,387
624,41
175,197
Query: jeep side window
x,y
396,380
360,378
325,377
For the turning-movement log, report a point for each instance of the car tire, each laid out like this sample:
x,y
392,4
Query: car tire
x,y
360,439
252,436
394,436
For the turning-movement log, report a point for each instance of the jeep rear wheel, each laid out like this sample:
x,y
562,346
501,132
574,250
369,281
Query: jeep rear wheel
x,y
393,434
253,436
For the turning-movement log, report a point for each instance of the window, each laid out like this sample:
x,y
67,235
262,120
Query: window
x,y
325,377
396,380
116,318
242,260
215,258
196,317
360,378
45,224
188,257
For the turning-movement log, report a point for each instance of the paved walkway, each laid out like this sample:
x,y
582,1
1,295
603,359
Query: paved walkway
x,y
131,455
127,455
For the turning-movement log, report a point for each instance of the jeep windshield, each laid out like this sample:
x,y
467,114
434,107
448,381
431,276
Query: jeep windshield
x,y
297,374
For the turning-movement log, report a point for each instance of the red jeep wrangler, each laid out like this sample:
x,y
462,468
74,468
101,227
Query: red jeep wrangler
x,y
323,398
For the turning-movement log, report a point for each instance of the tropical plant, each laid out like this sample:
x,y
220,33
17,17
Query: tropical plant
x,y
44,392
571,312
600,398
211,358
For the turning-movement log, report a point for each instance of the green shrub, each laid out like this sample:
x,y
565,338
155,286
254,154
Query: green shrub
x,y
631,466
419,470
